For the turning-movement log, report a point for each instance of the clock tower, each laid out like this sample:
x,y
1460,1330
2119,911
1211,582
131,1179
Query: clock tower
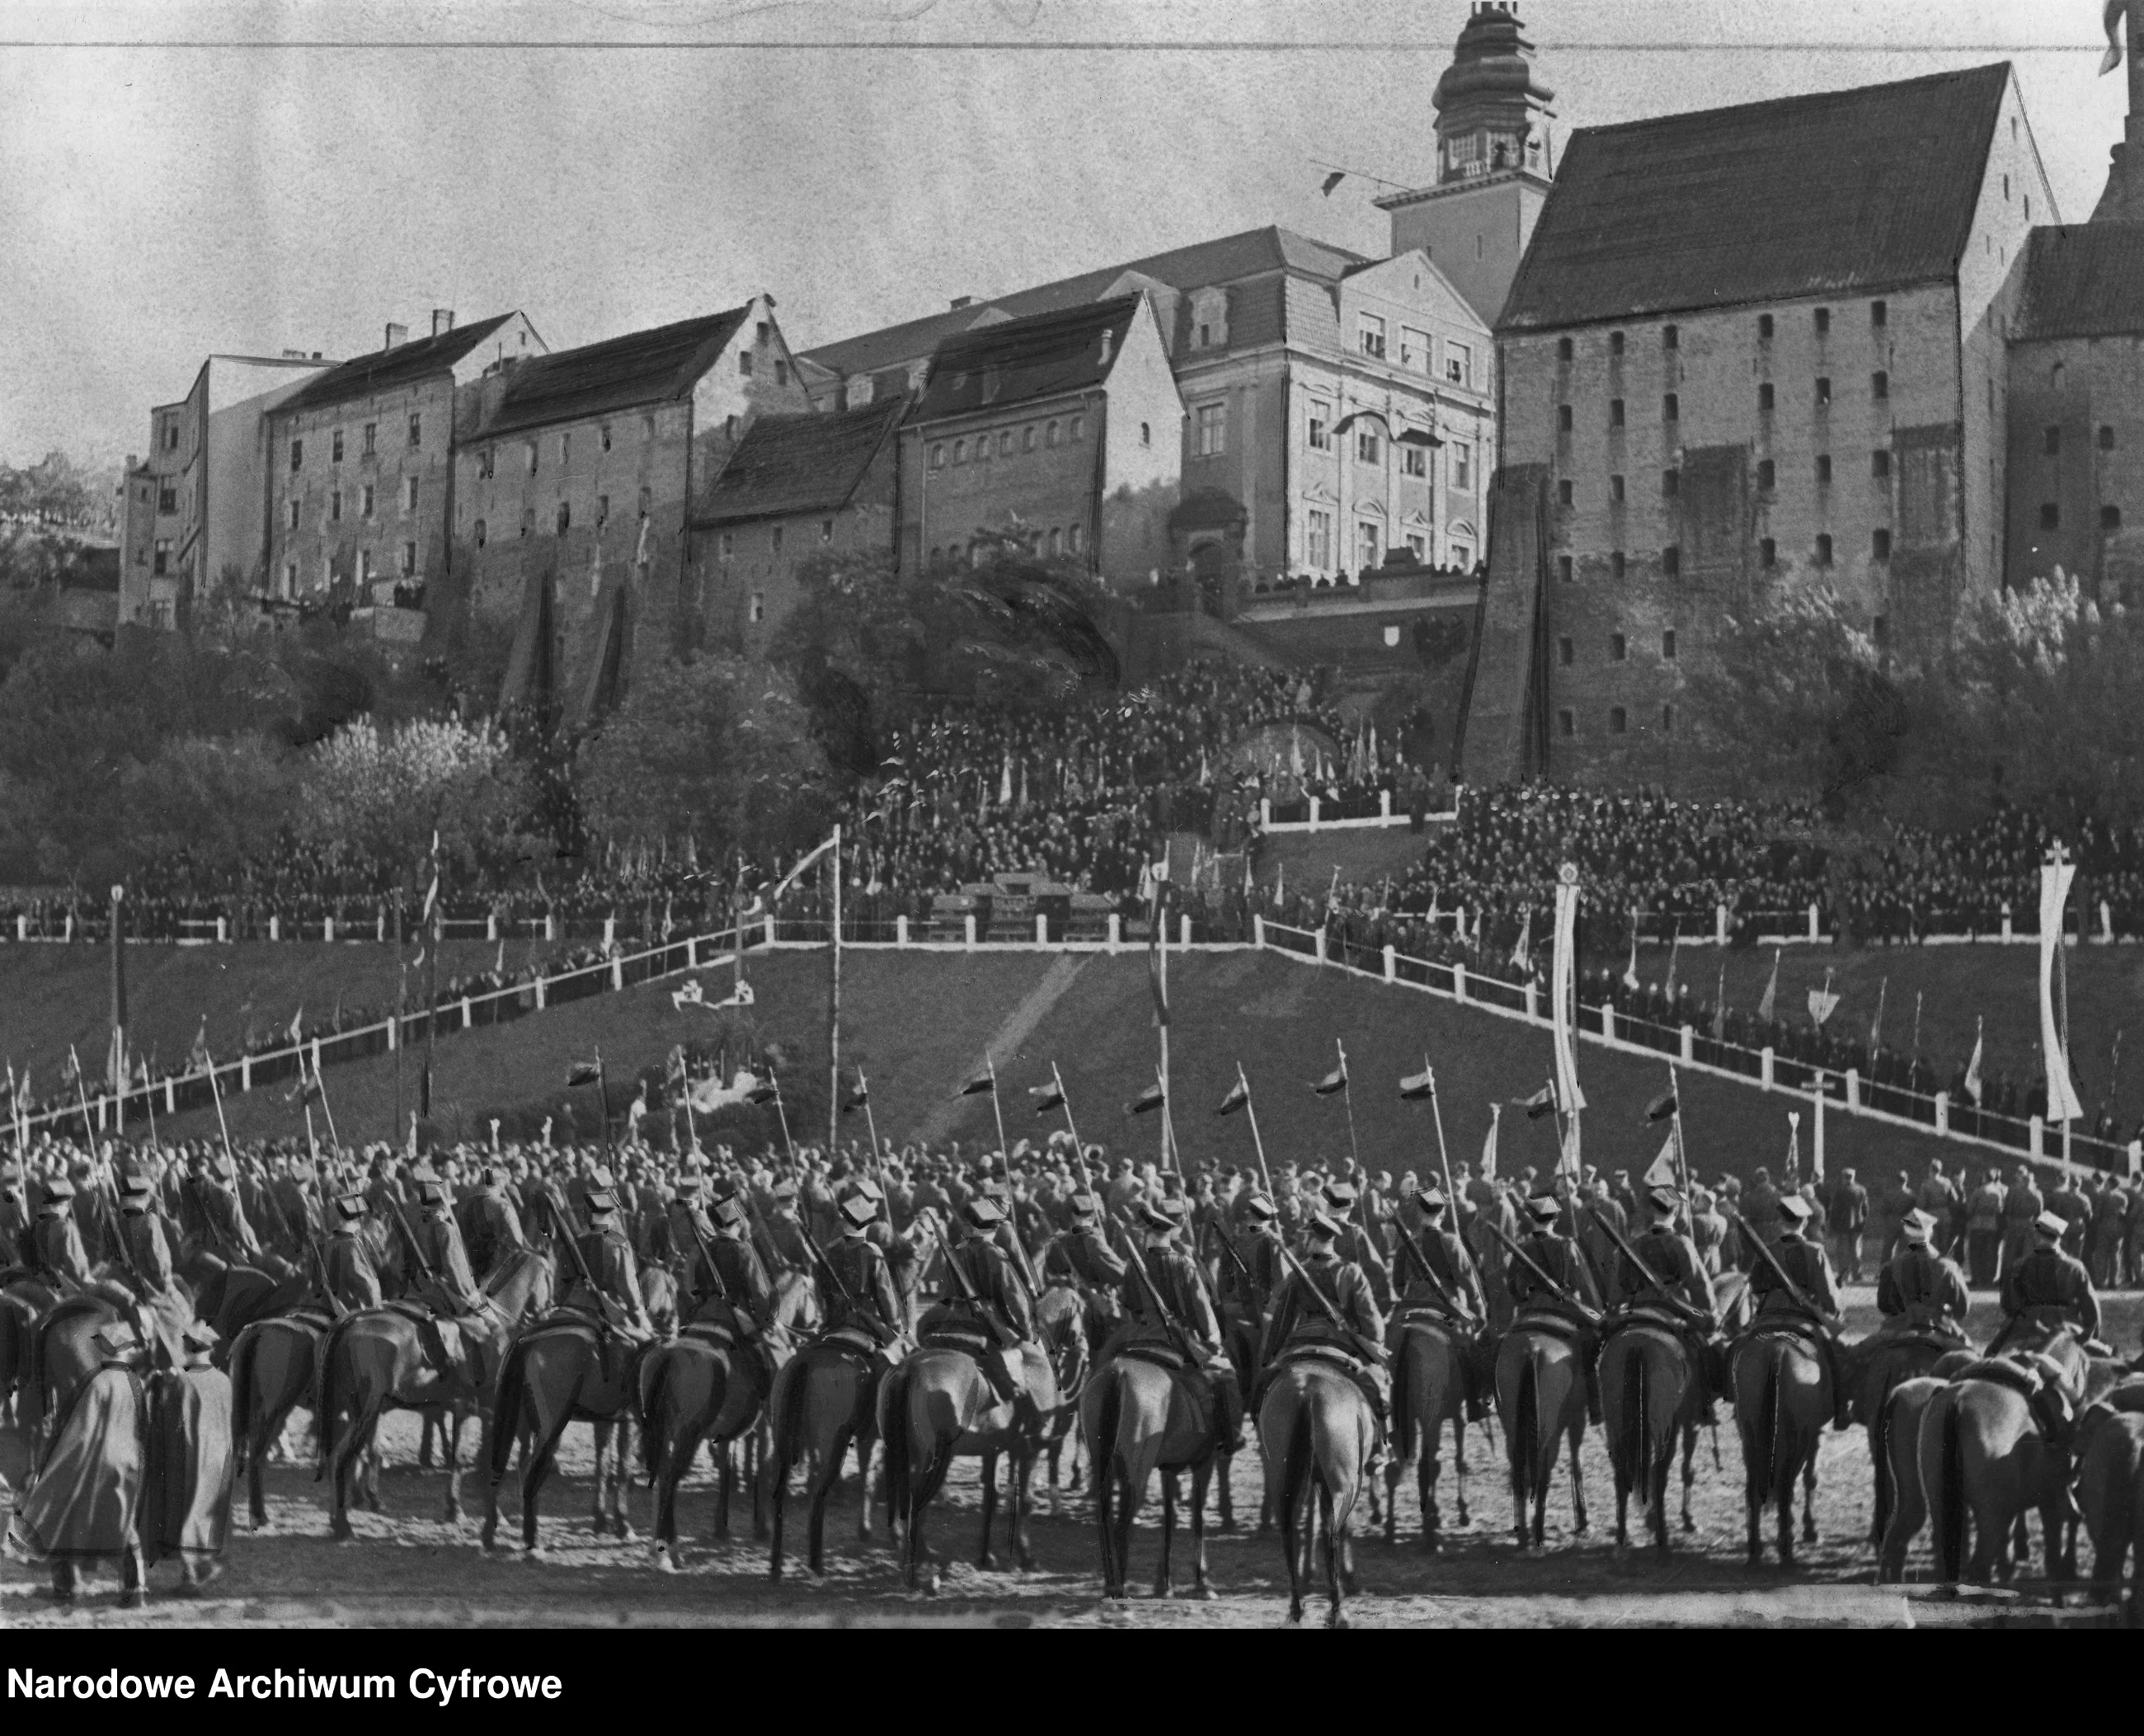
x,y
1495,159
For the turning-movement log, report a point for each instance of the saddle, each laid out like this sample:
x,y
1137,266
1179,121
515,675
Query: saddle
x,y
1788,1325
1162,1356
2037,1381
974,1340
1435,1314
1354,1366
717,1333
1657,1314
854,1341
1556,1324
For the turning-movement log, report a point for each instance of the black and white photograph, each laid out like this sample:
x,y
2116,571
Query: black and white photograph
x,y
952,814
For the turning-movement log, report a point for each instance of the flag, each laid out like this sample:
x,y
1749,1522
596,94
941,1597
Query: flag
x,y
307,1090
1663,1173
1663,1106
1719,1008
1417,1086
584,1073
499,964
1157,937
976,1087
1541,1103
1973,1087
1148,1100
1630,969
199,1056
1523,954
1335,1081
673,1069
2062,1105
1675,949
1338,175
691,995
1876,1025
2107,61
432,892
1793,1173
1489,1143
857,1098
71,1075
1239,1093
1770,1004
298,1025
1563,988
1046,1096
765,1091
1822,1002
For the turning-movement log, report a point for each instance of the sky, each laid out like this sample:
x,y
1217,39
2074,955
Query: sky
x,y
179,179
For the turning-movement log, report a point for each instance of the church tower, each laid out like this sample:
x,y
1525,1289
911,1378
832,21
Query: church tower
x,y
2123,200
1495,158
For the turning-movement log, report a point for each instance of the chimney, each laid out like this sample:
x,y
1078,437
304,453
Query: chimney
x,y
1106,334
962,301
397,336
443,321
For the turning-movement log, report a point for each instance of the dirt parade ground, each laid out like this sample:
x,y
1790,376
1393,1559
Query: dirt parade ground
x,y
409,1568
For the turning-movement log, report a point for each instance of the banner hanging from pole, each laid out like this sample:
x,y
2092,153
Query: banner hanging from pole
x,y
2055,878
1563,995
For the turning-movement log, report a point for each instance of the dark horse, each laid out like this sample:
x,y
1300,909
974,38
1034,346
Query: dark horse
x,y
556,1373
1783,1398
1139,1416
1318,1433
1651,1391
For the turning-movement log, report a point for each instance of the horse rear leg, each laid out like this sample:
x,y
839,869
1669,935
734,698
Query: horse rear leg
x,y
1577,1482
986,1560
1162,1586
1809,1497
826,1474
1336,1614
725,1481
450,1435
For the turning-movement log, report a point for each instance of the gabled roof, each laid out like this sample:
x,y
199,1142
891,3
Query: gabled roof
x,y
1019,360
2084,281
385,369
1805,195
801,463
1231,258
642,367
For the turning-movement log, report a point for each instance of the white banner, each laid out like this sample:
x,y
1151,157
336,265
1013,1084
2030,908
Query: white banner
x,y
2062,1105
1563,992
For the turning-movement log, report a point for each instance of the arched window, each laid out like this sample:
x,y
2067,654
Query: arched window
x,y
565,517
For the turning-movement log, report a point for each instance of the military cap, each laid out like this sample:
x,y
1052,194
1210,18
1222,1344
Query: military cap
x,y
132,1180
865,1186
421,1173
1431,1200
352,1206
728,1211
601,1202
689,1181
1794,1207
1154,1218
200,1335
1664,1199
1084,1205
786,1187
983,1211
1916,1226
58,1187
859,1212
117,1336
601,1180
1323,1228
1340,1193
1544,1208
1258,1205
2049,1224
431,1193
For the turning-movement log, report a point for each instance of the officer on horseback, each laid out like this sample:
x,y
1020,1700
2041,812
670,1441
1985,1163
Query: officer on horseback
x,y
729,1283
1440,1280
1578,1307
2049,1288
1355,1244
351,1277
55,1250
983,1285
450,1288
1169,1307
1326,1304
609,1273
865,1298
1668,1278
494,1223
1918,1291
1805,1297
1265,1265
162,1310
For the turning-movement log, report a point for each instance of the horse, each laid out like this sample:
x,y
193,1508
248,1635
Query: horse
x,y
63,1354
2109,1490
1137,1416
1316,1428
824,1398
1875,1366
699,1386
1058,1309
1783,1398
1540,1397
1429,1390
272,1366
373,1361
1649,1394
24,1301
937,1404
1900,1422
1983,1455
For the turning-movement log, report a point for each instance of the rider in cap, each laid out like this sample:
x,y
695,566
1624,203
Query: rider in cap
x,y
1326,1303
607,1259
1440,1280
162,1308
2049,1288
451,1288
863,1298
1344,1204
1918,1290
1816,1309
352,1278
1576,1310
1169,1307
1258,1242
993,1296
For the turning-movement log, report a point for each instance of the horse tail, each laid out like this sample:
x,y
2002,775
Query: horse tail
x,y
506,1407
789,1417
1403,1429
1949,1494
1106,1424
1296,1457
242,1352
1766,1457
1880,1449
895,1439
1636,1449
652,1429
1520,1445
324,1399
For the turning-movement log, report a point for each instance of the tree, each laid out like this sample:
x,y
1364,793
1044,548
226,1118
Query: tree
x,y
714,748
374,799
1801,702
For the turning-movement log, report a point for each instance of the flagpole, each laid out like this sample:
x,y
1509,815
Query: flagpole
x,y
1443,1157
1251,1109
1348,1097
1079,1149
871,1120
1168,1125
781,1114
1168,1130
997,1109
435,930
602,1104
312,1142
215,1090
834,1003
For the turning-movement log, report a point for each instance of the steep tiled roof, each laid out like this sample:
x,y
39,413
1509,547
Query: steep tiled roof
x,y
642,367
1805,195
2084,281
892,344
1018,360
799,464
385,369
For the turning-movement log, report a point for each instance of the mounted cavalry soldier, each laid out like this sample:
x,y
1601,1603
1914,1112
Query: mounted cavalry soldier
x,y
494,1221
215,1193
55,1250
351,1277
1355,1244
162,1310
1668,1279
1920,1290
2049,1289
730,1284
14,1217
983,1287
1097,1270
1815,1310
448,1286
1440,1280
865,1298
607,1288
1168,1312
1558,1256
1327,1306
1265,1266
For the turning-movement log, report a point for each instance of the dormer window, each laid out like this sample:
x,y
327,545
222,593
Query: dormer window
x,y
1209,319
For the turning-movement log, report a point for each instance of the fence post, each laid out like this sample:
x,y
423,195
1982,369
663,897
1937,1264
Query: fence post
x,y
540,982
275,927
1321,942
2005,919
1458,981
550,926
394,1032
1257,931
1608,1020
691,952
316,1058
171,1095
379,926
1392,963
246,1073
1116,931
68,931
2038,1146
1384,803
770,928
2136,1157
1812,920
1853,1087
1765,1068
1689,1044
22,928
1183,932
968,927
1943,1112
222,930
468,1018
610,929
1533,1000
491,926
901,930
1314,804
327,928
1720,924
617,973
1042,929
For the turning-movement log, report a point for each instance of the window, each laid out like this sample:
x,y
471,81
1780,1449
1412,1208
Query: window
x,y
1056,541
480,534
1670,337
960,451
1563,418
1671,561
1879,314
167,498
744,363
1766,398
334,446
1414,461
1879,630
1563,493
1458,364
1564,571
2105,437
1414,348
416,431
163,562
1617,566
528,521
603,510
290,513
1618,648
1566,722
781,372
1671,408
371,439
1670,484
1824,549
1004,443
756,609
1563,350
1879,463
726,546
1462,469
1462,556
1321,426
1768,553
2109,518
1879,386
1822,320
1615,342
1667,720
774,540
565,517
1823,392
1417,547
364,501
1767,475
1566,653
1076,538
2054,437
1614,413
1822,469
1369,545
938,455
1615,488
297,454
531,450
2051,517
1318,539
408,560
409,494
1027,438
602,435
1076,428
1212,426
565,449
1668,646
1879,545
171,442
646,429
1619,720
826,532
487,462
335,506
1763,328
1370,334
1369,446
1054,434
365,566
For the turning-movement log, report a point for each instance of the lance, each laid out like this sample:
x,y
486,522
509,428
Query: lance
x,y
1251,1109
